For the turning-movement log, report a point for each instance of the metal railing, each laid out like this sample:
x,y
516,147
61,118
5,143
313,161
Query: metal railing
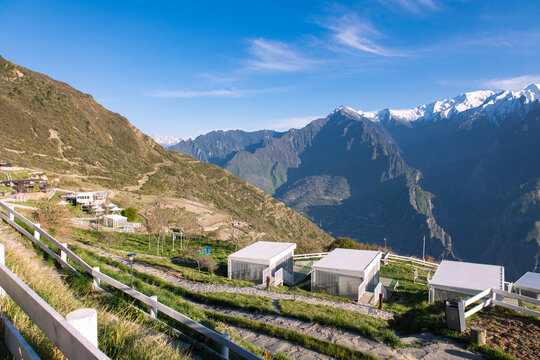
x,y
154,304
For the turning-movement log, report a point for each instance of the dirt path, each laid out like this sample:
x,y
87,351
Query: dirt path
x,y
146,176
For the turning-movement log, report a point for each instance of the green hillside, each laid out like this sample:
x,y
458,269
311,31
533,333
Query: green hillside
x,y
47,125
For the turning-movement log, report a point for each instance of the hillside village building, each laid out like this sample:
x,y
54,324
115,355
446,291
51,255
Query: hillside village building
x,y
352,274
529,285
262,257
455,279
94,198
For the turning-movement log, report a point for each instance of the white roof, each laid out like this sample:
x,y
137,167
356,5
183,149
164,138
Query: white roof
x,y
468,276
349,260
529,281
263,251
115,217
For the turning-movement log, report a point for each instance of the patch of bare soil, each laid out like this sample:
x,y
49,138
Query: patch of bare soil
x,y
515,334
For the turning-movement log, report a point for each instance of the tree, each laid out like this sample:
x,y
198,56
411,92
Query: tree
x,y
131,213
342,243
208,262
158,220
52,216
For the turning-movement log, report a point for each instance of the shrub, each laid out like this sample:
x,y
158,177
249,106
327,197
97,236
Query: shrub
x,y
131,213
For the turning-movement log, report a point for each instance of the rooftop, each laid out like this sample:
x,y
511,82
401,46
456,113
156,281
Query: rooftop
x,y
468,276
263,250
347,259
530,280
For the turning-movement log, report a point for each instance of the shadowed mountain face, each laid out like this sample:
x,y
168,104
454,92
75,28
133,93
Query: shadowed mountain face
x,y
464,173
48,125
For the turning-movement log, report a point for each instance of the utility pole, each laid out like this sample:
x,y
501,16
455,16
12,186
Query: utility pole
x,y
424,249
385,243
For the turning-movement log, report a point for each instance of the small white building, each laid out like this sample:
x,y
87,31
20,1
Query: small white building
x,y
529,285
353,274
115,221
262,257
91,198
455,279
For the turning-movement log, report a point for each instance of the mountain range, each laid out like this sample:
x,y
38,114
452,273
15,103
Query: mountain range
x,y
463,172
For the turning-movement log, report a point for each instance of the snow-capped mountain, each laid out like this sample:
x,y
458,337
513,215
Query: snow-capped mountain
x,y
496,105
167,140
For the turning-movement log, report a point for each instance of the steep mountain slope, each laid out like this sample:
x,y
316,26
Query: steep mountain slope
x,y
464,171
218,147
47,125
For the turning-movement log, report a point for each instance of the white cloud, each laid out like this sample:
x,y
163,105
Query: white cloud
x,y
291,123
354,33
414,6
276,56
186,94
513,83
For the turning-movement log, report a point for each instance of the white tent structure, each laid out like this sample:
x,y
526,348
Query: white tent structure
x,y
115,221
353,274
455,279
529,285
261,259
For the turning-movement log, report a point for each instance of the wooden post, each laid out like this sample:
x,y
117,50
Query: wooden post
x,y
153,310
478,335
224,348
2,262
37,234
85,321
97,281
63,255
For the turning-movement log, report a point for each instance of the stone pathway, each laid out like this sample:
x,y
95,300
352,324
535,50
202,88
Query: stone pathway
x,y
437,348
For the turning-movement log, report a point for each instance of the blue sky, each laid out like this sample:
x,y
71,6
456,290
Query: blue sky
x,y
187,67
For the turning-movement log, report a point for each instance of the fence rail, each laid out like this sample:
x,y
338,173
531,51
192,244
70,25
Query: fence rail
x,y
491,295
395,257
310,256
62,334
154,304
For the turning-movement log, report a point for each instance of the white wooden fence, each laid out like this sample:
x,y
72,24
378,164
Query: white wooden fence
x,y
223,341
490,298
310,256
60,332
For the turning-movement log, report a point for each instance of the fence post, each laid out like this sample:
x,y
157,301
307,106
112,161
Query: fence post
x,y
97,281
224,348
11,207
63,255
153,310
85,321
37,234
3,262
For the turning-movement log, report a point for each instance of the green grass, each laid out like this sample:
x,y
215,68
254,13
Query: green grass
x,y
135,242
362,324
188,271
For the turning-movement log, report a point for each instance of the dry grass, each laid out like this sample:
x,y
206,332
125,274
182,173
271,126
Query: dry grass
x,y
122,334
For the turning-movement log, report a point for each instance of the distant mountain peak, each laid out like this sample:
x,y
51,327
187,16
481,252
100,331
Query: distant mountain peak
x,y
495,104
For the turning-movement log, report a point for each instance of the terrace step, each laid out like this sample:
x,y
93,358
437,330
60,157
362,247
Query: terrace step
x,y
367,298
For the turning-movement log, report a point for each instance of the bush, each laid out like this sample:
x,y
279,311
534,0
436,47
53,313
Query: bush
x,y
342,243
131,213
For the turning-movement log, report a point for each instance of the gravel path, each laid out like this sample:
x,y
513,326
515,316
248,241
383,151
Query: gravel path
x,y
438,348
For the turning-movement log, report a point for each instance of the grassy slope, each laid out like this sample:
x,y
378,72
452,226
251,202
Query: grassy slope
x,y
46,124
